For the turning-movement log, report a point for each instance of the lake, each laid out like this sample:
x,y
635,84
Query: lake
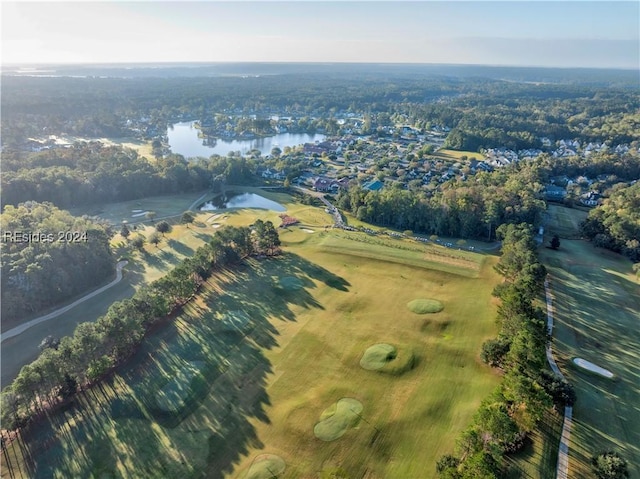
x,y
183,140
244,200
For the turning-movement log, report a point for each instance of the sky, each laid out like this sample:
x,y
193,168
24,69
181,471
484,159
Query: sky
x,y
600,34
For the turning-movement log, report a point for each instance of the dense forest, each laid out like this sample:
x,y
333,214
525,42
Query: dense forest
x,y
470,210
91,173
482,112
615,225
49,256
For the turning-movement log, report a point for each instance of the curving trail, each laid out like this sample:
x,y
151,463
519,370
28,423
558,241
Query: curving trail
x,y
23,327
563,452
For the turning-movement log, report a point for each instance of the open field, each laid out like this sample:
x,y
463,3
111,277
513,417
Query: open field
x,y
565,222
271,379
597,314
456,155
133,211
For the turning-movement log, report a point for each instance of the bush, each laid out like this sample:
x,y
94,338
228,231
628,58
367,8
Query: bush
x,y
609,465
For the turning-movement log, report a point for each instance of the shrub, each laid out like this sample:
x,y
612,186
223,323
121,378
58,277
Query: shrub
x,y
609,465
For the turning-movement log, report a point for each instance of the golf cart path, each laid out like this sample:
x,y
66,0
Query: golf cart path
x,y
563,451
23,327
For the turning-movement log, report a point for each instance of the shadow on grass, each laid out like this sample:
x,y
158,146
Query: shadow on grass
x,y
119,429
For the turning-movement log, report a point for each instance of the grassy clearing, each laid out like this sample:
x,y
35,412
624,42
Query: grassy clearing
x,y
457,155
564,222
133,211
425,306
597,309
267,385
337,419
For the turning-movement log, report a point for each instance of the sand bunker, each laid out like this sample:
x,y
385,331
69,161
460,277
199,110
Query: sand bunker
x,y
265,466
139,214
589,366
338,418
216,225
307,230
291,283
136,211
425,306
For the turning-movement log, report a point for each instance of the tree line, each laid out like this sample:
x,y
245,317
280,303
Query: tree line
x,y
528,389
615,224
466,210
49,256
92,173
97,347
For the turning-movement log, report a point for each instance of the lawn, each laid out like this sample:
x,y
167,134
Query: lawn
x,y
133,211
293,366
457,155
597,313
564,222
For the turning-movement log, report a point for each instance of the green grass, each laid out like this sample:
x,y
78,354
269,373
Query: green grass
x,y
597,309
378,356
564,222
163,206
173,397
337,419
457,155
406,252
265,387
265,466
425,306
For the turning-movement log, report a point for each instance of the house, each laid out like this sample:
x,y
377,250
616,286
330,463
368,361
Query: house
x,y
555,193
323,184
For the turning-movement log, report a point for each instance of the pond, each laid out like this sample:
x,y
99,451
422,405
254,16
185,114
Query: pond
x,y
244,200
183,140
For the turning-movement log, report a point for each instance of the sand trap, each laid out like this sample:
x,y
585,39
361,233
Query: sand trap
x,y
307,230
589,366
424,306
216,225
139,214
338,418
266,466
137,211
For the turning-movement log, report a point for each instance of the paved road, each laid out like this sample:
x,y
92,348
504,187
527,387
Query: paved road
x,y
563,451
23,327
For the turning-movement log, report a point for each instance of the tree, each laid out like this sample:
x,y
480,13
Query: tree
x,y
494,351
609,465
163,227
154,238
187,218
555,242
150,215
138,242
49,342
125,231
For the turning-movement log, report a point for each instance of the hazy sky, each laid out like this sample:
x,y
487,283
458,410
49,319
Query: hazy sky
x,y
569,33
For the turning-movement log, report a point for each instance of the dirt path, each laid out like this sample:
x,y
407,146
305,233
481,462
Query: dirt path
x,y
23,327
563,451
